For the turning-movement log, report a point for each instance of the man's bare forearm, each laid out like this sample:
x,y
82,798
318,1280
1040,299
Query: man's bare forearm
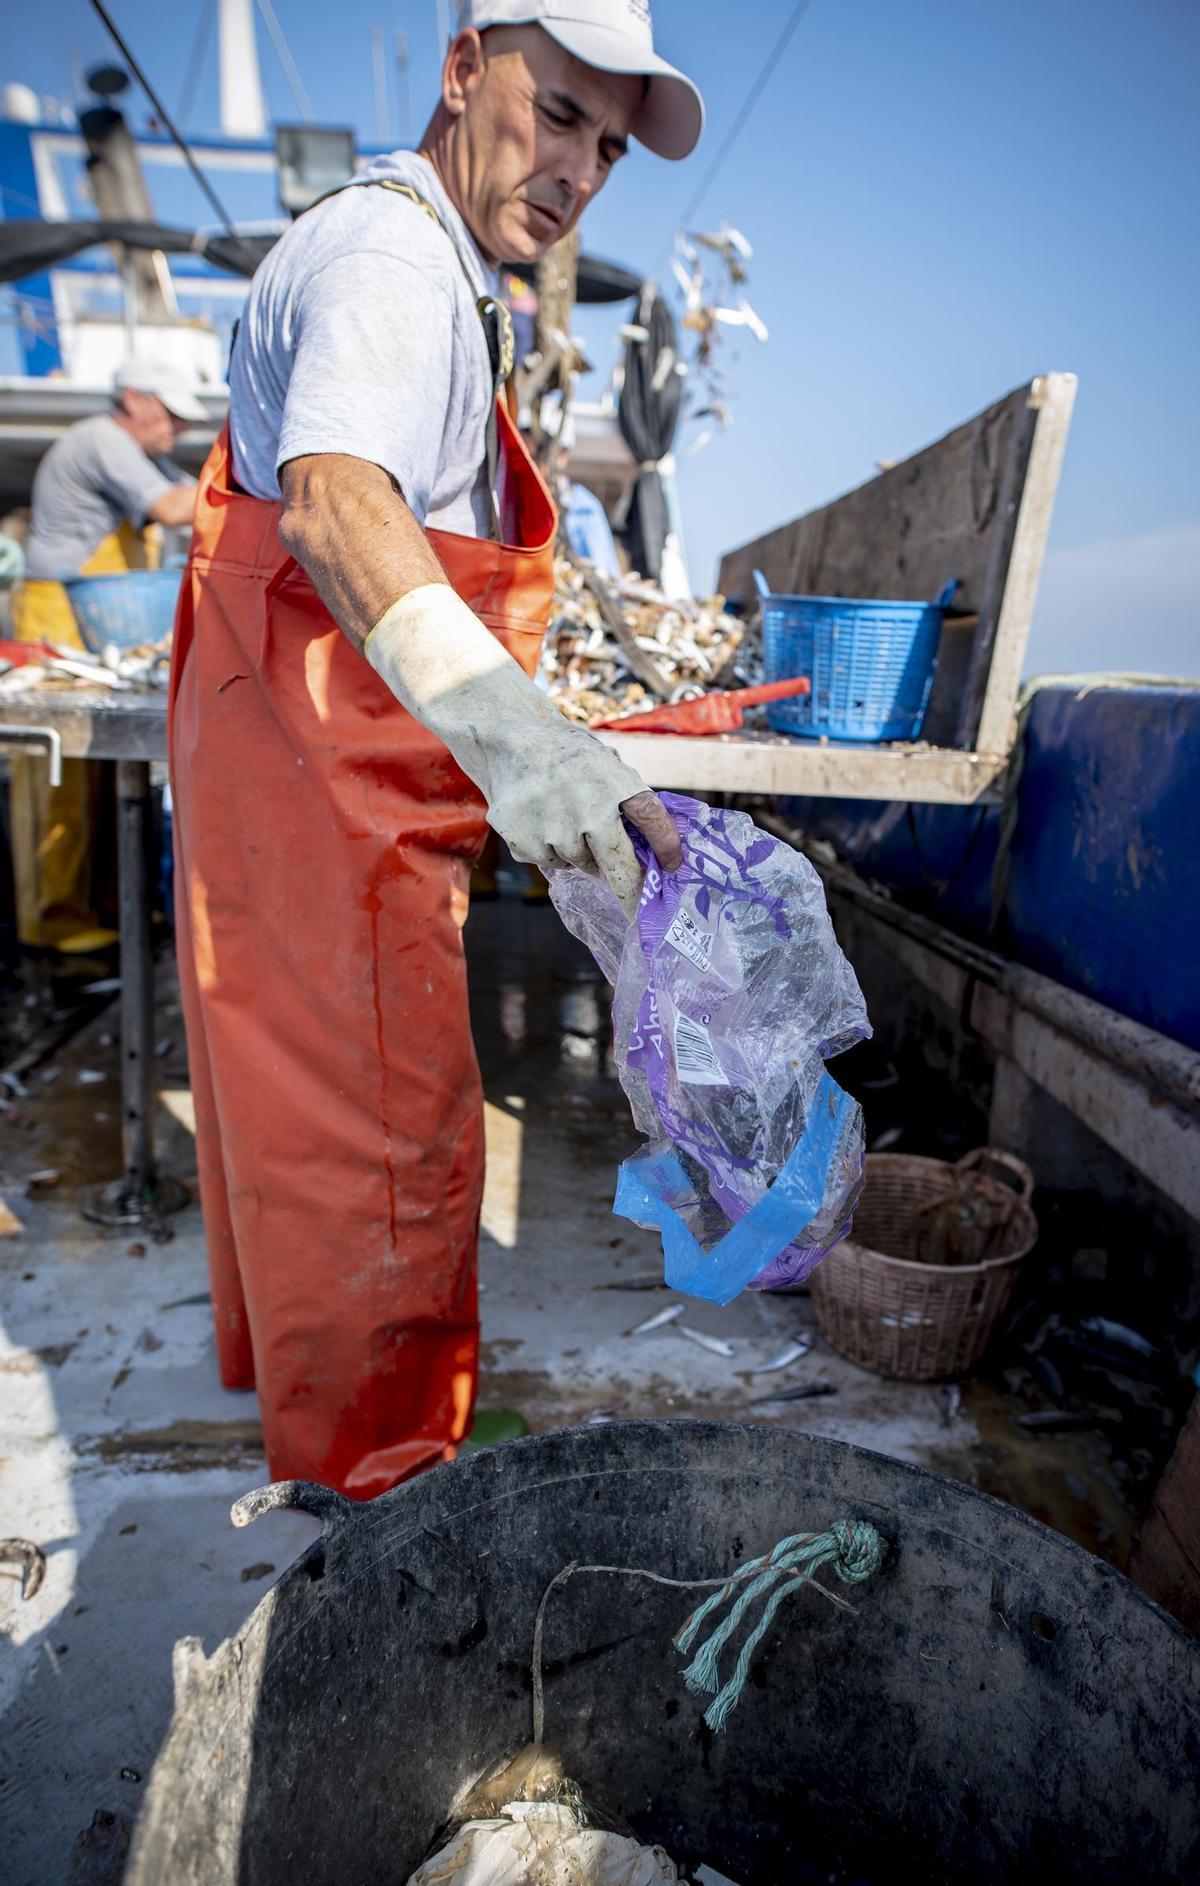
x,y
175,508
555,793
348,527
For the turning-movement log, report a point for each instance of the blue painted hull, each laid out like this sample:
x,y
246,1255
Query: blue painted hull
x,y
1099,883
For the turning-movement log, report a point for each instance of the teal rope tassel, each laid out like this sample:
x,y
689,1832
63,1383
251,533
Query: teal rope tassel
x,y
853,1548
687,1635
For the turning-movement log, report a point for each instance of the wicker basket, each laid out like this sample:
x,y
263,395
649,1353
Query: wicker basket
x,y
900,1299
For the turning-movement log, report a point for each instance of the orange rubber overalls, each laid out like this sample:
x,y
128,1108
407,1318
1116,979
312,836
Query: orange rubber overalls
x,y
324,842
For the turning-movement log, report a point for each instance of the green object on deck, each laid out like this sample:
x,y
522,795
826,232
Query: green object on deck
x,y
492,1427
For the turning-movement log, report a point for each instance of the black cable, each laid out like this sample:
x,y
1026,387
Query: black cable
x,y
752,97
165,115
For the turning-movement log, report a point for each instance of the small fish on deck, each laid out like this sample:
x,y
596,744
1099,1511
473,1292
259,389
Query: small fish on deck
x,y
649,1280
657,1322
808,1391
716,1345
794,1352
1067,1420
949,1400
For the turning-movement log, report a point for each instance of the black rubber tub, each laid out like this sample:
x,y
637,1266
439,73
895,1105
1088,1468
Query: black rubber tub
x,y
998,1706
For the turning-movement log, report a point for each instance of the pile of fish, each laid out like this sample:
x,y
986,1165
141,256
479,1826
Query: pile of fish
x,y
147,665
620,647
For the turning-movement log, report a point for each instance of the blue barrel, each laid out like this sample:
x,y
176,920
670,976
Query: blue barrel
x,y
126,608
870,663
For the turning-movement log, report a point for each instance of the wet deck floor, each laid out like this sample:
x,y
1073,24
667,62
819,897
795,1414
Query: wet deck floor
x,y
122,1453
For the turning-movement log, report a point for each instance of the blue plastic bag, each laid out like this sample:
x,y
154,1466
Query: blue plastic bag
x,y
730,994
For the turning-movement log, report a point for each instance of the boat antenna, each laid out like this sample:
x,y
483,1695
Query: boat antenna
x,y
199,47
291,70
166,118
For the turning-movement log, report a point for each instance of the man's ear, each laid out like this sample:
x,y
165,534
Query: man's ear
x,y
463,71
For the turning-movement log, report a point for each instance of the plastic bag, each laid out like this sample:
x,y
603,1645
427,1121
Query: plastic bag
x,y
537,1843
730,994
528,1824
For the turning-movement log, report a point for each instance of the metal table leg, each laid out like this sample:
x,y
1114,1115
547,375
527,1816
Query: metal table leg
x,y
140,1194
137,981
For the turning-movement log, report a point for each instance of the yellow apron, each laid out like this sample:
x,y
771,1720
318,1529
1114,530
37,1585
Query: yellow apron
x,y
53,826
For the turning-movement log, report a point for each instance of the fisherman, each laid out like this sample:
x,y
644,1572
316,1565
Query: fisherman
x,y
94,494
370,580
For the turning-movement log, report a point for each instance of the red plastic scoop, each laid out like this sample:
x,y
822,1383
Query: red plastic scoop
x,y
710,713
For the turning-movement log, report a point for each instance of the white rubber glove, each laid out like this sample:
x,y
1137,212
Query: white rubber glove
x,y
553,791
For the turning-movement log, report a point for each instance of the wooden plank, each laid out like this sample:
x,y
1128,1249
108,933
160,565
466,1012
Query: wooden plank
x,y
989,709
1137,1090
902,534
1157,1138
954,509
96,725
770,763
1166,1558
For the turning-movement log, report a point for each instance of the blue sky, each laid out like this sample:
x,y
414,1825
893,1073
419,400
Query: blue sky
x,y
943,199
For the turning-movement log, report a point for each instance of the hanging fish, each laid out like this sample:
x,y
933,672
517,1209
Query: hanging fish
x,y
742,316
716,1345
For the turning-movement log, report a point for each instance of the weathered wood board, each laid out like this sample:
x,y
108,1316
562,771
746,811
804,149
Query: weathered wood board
x,y
764,762
976,505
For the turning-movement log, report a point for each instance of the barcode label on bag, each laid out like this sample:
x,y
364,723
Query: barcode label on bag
x,y
686,936
696,1060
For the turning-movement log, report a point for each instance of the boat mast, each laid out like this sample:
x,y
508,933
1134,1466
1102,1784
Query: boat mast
x,y
243,113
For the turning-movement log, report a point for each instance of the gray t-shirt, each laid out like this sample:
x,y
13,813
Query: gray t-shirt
x,y
361,336
89,482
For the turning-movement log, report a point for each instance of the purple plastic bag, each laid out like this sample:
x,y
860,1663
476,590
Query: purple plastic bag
x,y
730,994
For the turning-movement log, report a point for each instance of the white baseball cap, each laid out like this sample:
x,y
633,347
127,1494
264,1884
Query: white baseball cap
x,y
143,374
612,36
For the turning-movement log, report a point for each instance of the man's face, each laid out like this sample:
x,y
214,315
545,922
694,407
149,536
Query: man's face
x,y
537,136
154,428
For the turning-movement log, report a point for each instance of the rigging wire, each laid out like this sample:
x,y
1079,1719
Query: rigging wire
x,y
291,71
166,117
752,97
9,195
191,77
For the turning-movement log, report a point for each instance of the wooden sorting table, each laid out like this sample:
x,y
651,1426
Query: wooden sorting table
x,y
130,727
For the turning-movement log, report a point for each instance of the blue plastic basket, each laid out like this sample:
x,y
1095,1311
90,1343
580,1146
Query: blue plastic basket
x,y
126,608
870,663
